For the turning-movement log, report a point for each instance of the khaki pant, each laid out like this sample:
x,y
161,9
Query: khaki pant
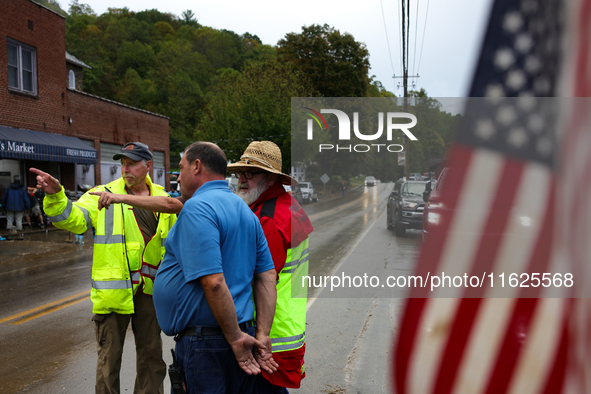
x,y
110,334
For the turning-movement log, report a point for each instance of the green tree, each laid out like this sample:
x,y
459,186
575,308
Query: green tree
x,y
177,55
188,18
137,56
219,47
376,89
135,91
335,63
184,106
254,105
53,5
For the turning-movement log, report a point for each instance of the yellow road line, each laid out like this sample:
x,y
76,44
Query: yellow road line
x,y
42,307
45,312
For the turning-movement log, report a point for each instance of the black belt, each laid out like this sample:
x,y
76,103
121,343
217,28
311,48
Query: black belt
x,y
210,331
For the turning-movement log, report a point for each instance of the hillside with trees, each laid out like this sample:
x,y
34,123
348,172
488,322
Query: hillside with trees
x,y
221,86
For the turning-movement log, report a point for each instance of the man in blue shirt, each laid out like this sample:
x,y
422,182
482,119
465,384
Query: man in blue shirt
x,y
216,261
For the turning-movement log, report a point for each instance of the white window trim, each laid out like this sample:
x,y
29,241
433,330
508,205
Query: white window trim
x,y
33,51
72,79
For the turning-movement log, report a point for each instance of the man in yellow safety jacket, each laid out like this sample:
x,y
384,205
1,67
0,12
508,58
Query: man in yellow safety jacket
x,y
128,249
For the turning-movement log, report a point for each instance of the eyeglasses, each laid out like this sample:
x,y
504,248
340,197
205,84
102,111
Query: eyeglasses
x,y
248,174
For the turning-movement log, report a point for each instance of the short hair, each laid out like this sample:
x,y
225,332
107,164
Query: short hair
x,y
210,155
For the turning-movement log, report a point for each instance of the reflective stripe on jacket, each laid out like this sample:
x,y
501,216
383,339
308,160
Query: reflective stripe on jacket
x,y
289,325
121,259
287,227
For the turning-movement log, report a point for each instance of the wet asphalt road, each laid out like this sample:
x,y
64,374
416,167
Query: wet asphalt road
x,y
47,337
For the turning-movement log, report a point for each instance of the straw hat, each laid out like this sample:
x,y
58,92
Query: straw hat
x,y
265,155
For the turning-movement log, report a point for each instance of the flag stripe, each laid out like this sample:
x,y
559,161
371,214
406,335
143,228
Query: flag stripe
x,y
476,198
459,158
537,357
583,85
514,253
433,333
497,220
514,338
555,383
518,328
408,331
483,344
517,248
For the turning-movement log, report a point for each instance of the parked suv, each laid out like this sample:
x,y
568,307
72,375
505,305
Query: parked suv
x,y
405,206
308,193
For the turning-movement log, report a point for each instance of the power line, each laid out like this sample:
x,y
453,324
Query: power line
x,y
414,56
407,35
423,41
404,61
398,16
387,40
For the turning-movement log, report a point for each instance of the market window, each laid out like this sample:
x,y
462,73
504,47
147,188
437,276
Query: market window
x,y
22,69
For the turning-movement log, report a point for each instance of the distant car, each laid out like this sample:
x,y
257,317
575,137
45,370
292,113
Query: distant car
x,y
415,176
405,206
308,193
370,181
232,182
296,192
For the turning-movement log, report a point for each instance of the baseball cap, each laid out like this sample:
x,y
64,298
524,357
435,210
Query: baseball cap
x,y
135,151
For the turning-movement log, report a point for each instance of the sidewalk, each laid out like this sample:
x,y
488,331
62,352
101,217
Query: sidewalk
x,y
36,242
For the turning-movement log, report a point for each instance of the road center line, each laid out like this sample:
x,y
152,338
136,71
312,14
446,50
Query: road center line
x,y
48,311
43,307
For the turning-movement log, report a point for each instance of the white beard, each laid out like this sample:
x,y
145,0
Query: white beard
x,y
252,194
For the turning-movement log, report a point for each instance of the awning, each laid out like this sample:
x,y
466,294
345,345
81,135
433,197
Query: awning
x,y
38,145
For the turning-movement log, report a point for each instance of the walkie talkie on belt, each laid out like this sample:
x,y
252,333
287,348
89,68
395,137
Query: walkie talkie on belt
x,y
177,380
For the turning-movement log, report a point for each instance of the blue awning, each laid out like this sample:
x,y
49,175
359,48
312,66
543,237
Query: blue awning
x,y
38,145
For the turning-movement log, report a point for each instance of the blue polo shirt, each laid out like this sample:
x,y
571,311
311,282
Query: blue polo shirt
x,y
216,232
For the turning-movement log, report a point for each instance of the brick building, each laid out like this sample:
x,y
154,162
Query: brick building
x,y
48,122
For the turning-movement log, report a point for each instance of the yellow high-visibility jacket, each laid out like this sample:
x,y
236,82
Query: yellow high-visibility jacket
x,y
122,261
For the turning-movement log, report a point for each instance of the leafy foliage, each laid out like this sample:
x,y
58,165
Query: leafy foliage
x,y
253,105
53,5
336,64
231,88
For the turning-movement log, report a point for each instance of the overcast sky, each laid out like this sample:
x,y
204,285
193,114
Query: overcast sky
x,y
452,36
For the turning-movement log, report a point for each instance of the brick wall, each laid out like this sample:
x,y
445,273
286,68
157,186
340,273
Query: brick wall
x,y
46,111
94,118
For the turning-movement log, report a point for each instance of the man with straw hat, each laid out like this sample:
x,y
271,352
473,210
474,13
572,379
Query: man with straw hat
x,y
286,227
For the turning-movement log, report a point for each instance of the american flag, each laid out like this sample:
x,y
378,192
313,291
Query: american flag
x,y
573,234
499,200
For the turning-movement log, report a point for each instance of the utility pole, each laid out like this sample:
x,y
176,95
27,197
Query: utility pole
x,y
405,39
405,46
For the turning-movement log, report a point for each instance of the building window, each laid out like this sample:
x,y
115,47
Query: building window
x,y
72,79
22,67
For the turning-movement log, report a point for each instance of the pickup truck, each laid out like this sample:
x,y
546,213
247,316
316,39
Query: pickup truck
x,y
308,193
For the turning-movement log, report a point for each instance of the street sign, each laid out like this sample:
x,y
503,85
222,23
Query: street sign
x,y
324,178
